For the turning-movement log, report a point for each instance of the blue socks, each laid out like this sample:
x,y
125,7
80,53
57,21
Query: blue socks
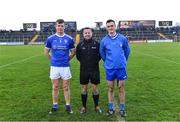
x,y
122,106
55,105
68,107
111,106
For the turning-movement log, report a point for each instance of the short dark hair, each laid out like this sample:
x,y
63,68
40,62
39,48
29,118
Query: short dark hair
x,y
87,28
60,21
110,20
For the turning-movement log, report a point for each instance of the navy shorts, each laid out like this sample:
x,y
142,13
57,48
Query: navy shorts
x,y
119,74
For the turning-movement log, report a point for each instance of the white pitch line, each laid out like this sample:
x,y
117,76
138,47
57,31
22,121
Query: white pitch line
x,y
160,58
19,61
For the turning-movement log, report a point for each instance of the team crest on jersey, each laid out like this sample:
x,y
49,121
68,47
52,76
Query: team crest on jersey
x,y
120,45
65,41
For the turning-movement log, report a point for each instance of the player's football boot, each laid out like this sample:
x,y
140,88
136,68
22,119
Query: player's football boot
x,y
83,110
53,110
122,113
98,110
110,112
68,109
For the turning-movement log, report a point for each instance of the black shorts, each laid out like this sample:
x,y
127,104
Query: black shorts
x,y
92,76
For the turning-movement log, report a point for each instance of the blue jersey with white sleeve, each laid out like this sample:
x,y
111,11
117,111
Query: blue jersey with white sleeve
x,y
114,51
60,47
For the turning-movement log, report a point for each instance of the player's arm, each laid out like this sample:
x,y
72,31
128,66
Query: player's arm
x,y
126,49
72,49
72,53
47,48
47,53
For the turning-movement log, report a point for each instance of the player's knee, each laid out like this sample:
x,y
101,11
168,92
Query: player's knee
x,y
85,89
121,88
95,89
95,92
121,84
84,92
111,88
55,88
65,88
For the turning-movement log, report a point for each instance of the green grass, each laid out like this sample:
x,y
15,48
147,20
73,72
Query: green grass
x,y
152,89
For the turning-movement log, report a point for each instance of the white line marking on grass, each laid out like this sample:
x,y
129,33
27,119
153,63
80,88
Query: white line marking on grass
x,y
19,61
160,58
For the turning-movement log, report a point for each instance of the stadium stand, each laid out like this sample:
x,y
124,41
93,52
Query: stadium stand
x,y
140,34
133,34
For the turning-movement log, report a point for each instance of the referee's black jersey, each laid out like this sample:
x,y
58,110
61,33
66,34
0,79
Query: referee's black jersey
x,y
87,52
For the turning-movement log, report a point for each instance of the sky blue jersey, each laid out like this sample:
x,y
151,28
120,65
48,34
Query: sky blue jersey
x,y
60,47
114,51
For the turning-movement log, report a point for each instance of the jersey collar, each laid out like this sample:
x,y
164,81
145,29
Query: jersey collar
x,y
60,35
113,37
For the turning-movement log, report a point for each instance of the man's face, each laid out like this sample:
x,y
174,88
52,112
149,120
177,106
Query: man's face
x,y
87,34
60,28
111,27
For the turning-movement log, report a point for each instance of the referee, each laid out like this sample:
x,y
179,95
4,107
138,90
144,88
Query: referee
x,y
87,53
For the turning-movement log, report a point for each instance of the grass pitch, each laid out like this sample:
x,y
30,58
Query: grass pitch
x,y
152,89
